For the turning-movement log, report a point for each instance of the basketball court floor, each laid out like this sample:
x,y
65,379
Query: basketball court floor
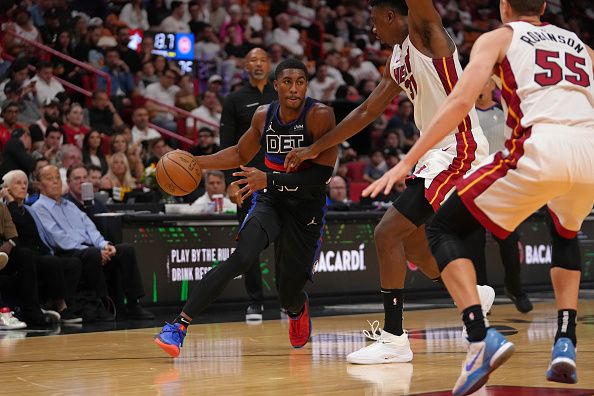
x,y
235,358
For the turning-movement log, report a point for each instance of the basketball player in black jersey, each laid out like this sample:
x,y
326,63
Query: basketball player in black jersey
x,y
288,208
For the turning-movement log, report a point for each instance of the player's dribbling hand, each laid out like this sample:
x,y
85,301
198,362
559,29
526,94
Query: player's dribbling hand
x,y
254,180
387,181
296,157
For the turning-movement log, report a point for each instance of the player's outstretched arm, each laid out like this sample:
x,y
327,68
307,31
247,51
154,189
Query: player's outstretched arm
x,y
426,30
488,50
358,119
242,152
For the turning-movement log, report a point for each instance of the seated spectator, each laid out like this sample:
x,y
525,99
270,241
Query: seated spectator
x,y
94,177
19,74
156,11
287,36
392,157
146,76
50,115
214,182
157,149
404,120
92,153
65,70
103,115
60,275
134,15
129,56
206,143
392,139
376,168
119,144
74,128
322,87
165,92
33,183
235,47
215,84
87,50
23,26
118,174
10,114
29,111
51,145
76,176
70,232
141,131
19,276
122,81
185,98
16,153
198,16
209,111
361,69
208,46
175,21
46,86
338,194
217,14
69,155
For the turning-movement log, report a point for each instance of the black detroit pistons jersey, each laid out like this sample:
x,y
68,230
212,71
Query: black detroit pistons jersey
x,y
279,139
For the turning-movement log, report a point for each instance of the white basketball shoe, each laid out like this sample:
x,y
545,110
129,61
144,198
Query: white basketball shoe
x,y
388,348
487,297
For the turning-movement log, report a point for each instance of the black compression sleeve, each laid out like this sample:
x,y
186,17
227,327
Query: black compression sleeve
x,y
314,176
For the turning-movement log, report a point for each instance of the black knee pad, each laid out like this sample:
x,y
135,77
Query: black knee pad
x,y
566,252
446,232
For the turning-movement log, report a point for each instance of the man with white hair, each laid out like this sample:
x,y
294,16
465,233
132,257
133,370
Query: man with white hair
x,y
60,274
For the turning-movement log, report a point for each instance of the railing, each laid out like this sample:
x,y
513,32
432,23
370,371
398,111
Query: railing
x,y
64,83
170,134
107,77
60,55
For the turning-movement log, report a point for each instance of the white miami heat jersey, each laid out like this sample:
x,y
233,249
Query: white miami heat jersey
x,y
427,82
546,78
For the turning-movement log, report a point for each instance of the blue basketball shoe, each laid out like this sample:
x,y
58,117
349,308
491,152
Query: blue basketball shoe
x,y
482,358
562,367
171,338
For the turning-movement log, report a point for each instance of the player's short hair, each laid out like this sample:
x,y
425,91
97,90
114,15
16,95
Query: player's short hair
x,y
399,6
290,63
526,7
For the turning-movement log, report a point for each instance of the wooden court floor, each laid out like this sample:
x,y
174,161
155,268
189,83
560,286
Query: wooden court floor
x,y
241,359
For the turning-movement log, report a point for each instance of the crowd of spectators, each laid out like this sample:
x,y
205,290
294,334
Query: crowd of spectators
x,y
113,136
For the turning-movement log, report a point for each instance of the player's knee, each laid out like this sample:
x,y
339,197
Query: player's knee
x,y
385,234
242,259
566,252
444,244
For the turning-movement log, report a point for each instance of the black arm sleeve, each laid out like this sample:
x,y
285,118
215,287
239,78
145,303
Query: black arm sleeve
x,y
314,176
228,131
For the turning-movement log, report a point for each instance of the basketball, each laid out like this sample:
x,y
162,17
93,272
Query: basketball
x,y
178,173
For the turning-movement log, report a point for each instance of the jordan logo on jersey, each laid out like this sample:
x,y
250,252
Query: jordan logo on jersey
x,y
403,75
282,144
270,128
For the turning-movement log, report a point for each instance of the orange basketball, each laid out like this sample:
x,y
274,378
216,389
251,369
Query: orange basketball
x,y
178,173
